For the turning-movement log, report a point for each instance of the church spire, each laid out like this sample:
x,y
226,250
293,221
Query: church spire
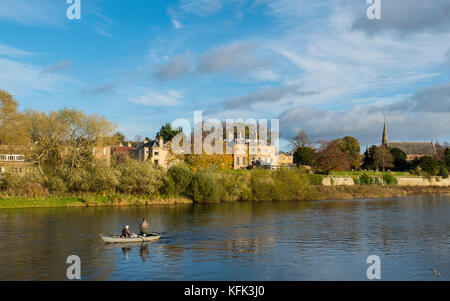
x,y
384,141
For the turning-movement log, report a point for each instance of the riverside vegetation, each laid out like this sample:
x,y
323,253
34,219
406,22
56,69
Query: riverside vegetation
x,y
59,146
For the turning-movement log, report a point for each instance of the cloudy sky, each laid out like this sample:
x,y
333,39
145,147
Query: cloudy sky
x,y
322,66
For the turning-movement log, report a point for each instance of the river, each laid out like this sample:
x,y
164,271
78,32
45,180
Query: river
x,y
320,240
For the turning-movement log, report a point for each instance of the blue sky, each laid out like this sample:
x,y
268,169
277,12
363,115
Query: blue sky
x,y
318,65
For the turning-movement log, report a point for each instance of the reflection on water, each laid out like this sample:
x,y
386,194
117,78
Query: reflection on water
x,y
326,240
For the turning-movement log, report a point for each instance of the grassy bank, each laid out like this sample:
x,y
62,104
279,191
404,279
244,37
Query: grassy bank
x,y
320,193
85,201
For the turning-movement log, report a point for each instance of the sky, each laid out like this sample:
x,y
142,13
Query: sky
x,y
321,66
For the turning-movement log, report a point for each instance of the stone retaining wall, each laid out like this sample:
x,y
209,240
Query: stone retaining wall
x,y
402,181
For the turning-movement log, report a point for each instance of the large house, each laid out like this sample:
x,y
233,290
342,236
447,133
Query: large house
x,y
155,151
413,150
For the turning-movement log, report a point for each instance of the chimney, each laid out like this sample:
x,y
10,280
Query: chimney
x,y
129,144
161,141
146,141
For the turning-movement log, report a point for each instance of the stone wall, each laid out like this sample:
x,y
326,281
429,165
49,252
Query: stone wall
x,y
402,181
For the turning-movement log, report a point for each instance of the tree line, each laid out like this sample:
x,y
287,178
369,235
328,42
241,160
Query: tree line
x,y
344,154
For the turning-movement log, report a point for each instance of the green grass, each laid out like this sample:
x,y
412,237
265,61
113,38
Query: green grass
x,y
84,201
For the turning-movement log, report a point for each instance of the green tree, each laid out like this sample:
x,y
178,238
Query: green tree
x,y
351,147
429,165
167,132
383,158
447,157
400,162
177,181
303,155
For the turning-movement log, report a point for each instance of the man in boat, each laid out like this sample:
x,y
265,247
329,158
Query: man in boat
x,y
144,227
126,232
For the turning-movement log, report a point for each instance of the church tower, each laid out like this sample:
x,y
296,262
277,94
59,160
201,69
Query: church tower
x,y
384,140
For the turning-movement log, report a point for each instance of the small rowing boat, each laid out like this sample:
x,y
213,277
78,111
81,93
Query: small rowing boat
x,y
133,238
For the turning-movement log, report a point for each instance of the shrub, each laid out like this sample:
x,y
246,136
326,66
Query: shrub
x,y
389,179
30,185
364,179
177,181
103,178
289,185
315,179
140,178
202,188
262,185
234,186
55,184
443,172
429,165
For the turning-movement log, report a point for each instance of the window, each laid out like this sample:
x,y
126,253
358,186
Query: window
x,y
105,151
243,161
156,152
237,161
156,162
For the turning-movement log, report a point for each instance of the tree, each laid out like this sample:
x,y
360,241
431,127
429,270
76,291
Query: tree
x,y
303,155
429,165
118,138
399,159
368,160
14,126
68,134
167,132
350,146
331,158
300,140
447,157
383,158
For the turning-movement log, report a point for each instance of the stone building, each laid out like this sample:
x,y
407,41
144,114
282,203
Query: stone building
x,y
155,151
413,150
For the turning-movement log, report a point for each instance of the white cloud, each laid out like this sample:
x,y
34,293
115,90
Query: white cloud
x,y
24,79
32,12
157,99
6,50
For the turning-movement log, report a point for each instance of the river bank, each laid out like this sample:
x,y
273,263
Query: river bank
x,y
318,193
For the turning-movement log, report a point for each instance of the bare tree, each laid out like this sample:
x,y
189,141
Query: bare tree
x,y
300,140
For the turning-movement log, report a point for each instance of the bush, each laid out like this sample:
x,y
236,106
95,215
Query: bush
x,y
262,185
234,186
315,179
55,184
140,178
389,179
177,181
103,179
29,185
289,185
202,188
443,172
429,165
364,179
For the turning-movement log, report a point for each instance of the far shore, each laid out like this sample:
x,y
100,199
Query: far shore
x,y
319,193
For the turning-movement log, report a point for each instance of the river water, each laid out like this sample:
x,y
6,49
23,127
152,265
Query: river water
x,y
320,240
